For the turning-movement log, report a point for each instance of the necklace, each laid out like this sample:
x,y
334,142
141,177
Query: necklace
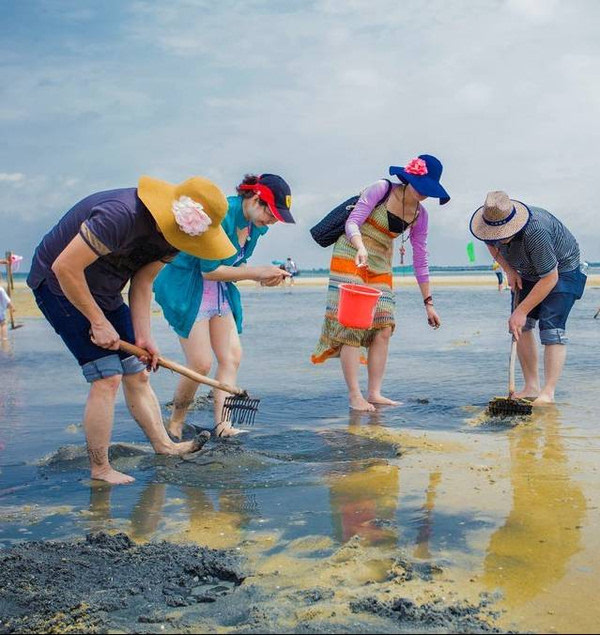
x,y
404,238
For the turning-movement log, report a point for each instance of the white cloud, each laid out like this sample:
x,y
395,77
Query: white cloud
x,y
327,93
12,177
538,10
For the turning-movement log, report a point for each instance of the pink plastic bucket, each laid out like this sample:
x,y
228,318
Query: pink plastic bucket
x,y
356,308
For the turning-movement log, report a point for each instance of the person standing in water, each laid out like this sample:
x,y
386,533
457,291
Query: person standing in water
x,y
290,266
363,255
202,303
498,271
5,304
78,273
542,262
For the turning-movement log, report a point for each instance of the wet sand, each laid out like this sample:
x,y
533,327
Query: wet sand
x,y
426,517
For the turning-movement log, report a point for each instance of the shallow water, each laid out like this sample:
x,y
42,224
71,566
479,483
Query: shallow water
x,y
500,506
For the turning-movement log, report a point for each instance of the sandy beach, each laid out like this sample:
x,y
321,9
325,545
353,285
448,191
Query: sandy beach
x,y
26,307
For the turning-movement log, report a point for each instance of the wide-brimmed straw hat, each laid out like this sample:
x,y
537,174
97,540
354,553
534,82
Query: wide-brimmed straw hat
x,y
424,174
189,215
500,217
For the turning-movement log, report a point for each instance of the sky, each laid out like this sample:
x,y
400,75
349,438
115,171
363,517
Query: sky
x,y
327,93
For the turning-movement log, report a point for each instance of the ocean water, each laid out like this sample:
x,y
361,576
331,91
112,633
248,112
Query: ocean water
x,y
507,506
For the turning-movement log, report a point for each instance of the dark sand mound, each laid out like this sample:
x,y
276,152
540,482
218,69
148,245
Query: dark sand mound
x,y
106,582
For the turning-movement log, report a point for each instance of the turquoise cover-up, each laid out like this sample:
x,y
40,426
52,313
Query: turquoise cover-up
x,y
178,287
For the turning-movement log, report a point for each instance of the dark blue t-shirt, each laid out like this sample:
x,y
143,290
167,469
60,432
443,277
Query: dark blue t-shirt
x,y
118,227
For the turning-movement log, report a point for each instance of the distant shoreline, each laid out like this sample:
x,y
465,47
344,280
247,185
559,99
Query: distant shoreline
x,y
26,307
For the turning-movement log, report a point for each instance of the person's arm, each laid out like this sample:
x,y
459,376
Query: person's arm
x,y
418,241
140,302
363,208
269,275
69,268
540,290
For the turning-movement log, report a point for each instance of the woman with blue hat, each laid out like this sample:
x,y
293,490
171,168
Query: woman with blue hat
x,y
363,255
202,303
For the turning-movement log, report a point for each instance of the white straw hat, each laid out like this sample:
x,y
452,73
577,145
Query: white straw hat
x,y
499,217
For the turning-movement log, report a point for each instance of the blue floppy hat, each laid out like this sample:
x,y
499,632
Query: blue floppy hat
x,y
424,174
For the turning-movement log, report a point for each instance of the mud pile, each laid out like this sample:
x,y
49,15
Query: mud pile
x,y
107,582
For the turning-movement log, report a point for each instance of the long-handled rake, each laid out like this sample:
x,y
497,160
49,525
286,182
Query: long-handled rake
x,y
239,408
509,406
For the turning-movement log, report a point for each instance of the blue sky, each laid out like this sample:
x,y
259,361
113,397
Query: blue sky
x,y
326,93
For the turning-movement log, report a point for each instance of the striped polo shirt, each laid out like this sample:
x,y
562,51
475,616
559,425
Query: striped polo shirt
x,y
543,245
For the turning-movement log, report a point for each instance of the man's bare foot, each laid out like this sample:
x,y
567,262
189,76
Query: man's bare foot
x,y
225,430
527,393
175,431
358,402
543,400
111,476
380,400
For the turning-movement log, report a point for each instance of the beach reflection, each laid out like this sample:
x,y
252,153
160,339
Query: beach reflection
x,y
363,499
425,531
542,531
214,520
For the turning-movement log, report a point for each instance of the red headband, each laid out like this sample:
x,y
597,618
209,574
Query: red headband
x,y
266,195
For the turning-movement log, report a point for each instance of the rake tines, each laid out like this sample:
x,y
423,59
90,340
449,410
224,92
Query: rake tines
x,y
506,407
240,410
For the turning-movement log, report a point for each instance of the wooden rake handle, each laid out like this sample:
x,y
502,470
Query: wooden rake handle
x,y
182,370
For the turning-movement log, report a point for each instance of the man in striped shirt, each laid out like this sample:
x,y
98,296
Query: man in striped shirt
x,y
542,263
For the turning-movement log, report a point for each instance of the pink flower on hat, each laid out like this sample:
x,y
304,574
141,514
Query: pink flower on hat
x,y
417,167
190,216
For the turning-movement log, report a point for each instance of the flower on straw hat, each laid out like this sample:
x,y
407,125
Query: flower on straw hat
x,y
190,216
416,166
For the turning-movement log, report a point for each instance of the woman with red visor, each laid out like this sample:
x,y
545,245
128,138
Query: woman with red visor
x,y
202,303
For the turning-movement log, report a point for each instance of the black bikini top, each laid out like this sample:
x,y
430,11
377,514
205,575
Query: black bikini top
x,y
396,224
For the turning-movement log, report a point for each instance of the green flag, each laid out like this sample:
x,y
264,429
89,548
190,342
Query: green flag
x,y
471,252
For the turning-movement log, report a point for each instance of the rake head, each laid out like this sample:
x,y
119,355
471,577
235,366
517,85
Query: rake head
x,y
507,407
240,410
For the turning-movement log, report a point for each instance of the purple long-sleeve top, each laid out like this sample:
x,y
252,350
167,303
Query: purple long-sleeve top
x,y
418,232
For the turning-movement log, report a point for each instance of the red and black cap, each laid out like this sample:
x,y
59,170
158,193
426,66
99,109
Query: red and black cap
x,y
276,193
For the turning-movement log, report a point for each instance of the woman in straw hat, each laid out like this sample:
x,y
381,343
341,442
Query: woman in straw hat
x,y
78,273
363,254
202,303
541,259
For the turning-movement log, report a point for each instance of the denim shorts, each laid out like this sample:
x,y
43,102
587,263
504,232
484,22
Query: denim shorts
x,y
552,312
74,329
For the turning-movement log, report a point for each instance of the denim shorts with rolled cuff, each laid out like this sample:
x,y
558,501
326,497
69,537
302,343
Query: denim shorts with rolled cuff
x,y
74,329
552,312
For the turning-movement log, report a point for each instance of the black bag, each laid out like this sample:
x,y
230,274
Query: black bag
x,y
332,226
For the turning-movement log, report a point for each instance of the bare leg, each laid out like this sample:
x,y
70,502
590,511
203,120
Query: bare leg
x,y
350,359
97,423
145,409
378,354
198,357
554,360
528,357
228,351
3,330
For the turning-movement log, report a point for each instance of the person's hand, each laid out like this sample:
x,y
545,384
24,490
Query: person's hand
x,y
272,282
433,319
514,280
104,335
270,273
362,257
516,322
147,343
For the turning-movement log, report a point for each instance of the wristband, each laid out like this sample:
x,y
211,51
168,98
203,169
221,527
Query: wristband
x,y
428,301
